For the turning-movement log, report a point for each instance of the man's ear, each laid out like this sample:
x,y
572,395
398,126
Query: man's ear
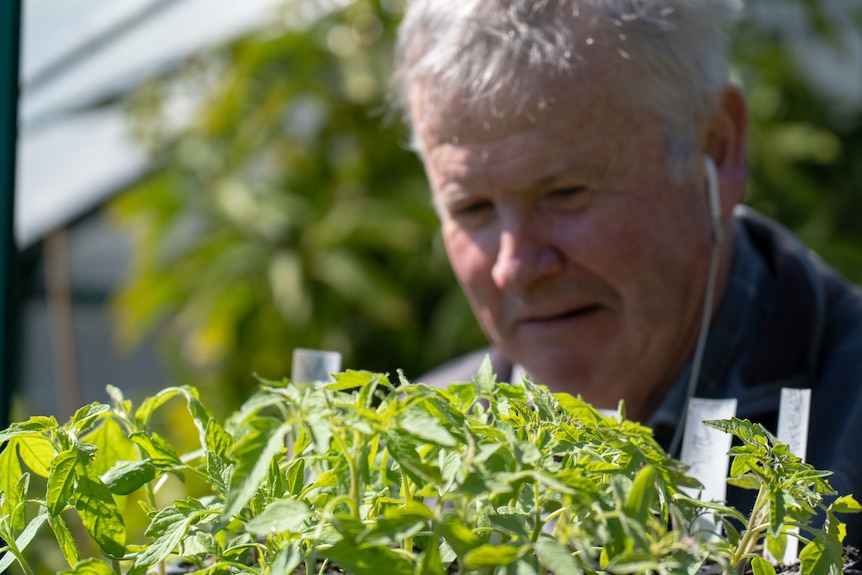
x,y
724,142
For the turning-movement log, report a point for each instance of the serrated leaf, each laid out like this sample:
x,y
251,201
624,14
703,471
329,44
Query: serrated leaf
x,y
294,476
24,539
61,481
485,378
33,425
776,545
254,454
112,445
89,567
368,560
746,481
128,476
198,543
431,563
168,527
485,556
401,447
86,416
399,523
424,426
777,513
818,558
64,539
36,451
845,504
460,537
283,515
159,451
643,494
351,379
98,511
287,560
760,566
11,466
218,440
556,558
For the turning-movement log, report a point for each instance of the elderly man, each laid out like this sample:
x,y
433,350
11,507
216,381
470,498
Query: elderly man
x,y
587,159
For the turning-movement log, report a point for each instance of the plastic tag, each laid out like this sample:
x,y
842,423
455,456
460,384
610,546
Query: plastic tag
x,y
704,450
793,415
314,365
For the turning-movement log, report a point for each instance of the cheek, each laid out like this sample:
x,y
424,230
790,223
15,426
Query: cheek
x,y
471,256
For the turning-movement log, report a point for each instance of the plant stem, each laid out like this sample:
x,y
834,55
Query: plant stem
x,y
408,497
749,537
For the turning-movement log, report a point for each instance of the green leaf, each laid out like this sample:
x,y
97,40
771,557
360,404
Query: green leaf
x,y
112,445
426,427
556,558
86,416
24,539
283,515
295,476
486,556
643,494
89,567
61,481
11,471
351,379
460,537
36,451
218,440
776,545
402,447
160,452
399,523
845,504
431,563
368,560
98,511
168,527
32,426
288,559
254,454
64,539
821,557
485,379
777,512
128,476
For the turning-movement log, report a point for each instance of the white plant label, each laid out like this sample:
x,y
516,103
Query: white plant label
x,y
793,416
314,366
704,450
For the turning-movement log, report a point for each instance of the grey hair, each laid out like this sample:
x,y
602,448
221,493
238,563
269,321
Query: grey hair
x,y
474,53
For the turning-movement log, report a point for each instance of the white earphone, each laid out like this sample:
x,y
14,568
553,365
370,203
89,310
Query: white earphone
x,y
717,233
714,198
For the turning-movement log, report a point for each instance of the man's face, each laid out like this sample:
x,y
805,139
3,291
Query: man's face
x,y
579,254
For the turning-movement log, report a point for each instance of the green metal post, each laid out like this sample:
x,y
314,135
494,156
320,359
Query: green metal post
x,y
10,27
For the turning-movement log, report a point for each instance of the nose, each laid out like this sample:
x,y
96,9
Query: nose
x,y
525,255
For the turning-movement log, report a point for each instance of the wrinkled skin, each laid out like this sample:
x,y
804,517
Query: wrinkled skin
x,y
581,256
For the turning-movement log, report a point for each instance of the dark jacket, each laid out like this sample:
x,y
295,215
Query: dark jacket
x,y
811,338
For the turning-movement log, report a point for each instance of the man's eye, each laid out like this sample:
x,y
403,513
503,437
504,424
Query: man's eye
x,y
472,209
568,192
569,197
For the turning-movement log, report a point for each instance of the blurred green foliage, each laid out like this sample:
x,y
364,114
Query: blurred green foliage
x,y
800,63
286,211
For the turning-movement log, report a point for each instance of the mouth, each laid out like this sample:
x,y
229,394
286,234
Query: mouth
x,y
577,313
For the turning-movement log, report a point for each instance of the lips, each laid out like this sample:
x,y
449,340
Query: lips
x,y
556,316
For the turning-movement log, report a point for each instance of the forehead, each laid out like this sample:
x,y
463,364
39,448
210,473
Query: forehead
x,y
594,104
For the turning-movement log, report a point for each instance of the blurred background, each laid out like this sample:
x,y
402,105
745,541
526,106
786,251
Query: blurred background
x,y
204,185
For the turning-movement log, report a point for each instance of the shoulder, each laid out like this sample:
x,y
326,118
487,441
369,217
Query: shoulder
x,y
463,368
